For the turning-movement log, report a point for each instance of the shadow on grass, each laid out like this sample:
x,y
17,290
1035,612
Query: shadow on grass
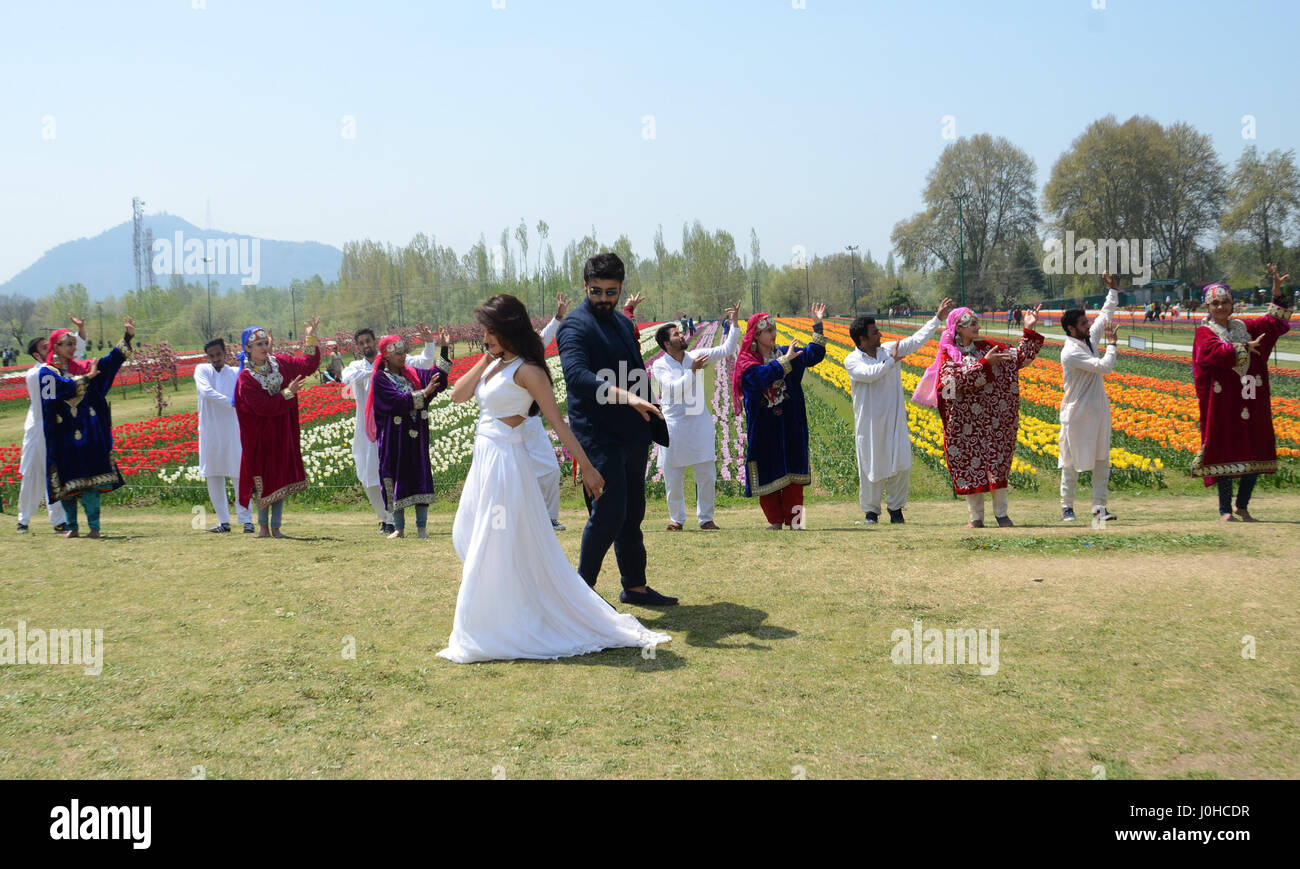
x,y
706,625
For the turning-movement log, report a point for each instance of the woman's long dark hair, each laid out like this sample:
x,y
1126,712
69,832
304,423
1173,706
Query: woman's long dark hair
x,y
507,317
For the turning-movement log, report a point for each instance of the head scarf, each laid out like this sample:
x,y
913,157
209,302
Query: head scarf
x,y
927,390
1214,291
372,431
245,337
75,366
749,357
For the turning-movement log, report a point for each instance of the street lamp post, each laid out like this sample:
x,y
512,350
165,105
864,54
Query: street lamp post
x,y
961,242
853,270
209,272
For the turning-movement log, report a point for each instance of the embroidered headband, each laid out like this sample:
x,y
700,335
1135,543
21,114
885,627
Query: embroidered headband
x,y
1216,291
248,336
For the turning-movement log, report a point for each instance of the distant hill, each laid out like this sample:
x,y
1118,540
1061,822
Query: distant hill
x,y
106,267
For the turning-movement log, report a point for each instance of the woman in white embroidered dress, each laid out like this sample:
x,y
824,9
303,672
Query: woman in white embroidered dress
x,y
520,597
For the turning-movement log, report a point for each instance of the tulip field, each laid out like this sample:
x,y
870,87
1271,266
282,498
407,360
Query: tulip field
x,y
1153,405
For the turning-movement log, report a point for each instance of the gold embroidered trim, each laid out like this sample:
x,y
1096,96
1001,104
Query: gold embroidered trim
x,y
280,494
1229,469
425,498
443,365
777,484
1243,359
394,504
105,482
786,366
817,338
417,400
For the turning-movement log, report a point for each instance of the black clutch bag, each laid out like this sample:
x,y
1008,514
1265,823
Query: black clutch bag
x,y
659,430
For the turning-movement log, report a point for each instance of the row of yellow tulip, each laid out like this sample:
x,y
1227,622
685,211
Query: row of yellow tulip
x,y
1163,412
923,423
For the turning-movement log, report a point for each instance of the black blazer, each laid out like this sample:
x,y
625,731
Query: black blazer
x,y
594,352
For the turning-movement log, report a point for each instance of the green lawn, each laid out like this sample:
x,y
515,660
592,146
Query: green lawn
x,y
1119,648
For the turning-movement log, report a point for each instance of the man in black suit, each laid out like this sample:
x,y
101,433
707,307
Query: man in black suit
x,y
609,412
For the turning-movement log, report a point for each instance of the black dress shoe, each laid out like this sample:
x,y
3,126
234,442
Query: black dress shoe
x,y
649,597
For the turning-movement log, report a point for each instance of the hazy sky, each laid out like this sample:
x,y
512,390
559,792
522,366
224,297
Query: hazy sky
x,y
816,126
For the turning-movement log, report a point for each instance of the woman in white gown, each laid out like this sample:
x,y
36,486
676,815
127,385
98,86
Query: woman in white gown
x,y
519,595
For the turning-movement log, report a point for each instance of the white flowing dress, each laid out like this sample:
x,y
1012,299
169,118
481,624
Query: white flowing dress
x,y
519,595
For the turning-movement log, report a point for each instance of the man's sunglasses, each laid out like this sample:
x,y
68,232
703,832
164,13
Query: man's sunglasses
x,y
597,291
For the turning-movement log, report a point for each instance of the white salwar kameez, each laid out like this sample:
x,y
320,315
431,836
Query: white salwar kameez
x,y
691,431
884,450
34,488
219,445
1085,410
538,445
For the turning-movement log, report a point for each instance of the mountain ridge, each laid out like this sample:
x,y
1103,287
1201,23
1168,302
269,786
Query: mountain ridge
x,y
104,263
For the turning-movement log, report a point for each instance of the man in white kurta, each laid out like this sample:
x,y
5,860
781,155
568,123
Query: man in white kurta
x,y
884,449
35,487
1085,409
537,442
365,452
219,444
691,433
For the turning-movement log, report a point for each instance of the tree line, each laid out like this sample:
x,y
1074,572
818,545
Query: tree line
x,y
983,215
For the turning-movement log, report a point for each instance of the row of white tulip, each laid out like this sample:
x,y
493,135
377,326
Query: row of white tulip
x,y
327,447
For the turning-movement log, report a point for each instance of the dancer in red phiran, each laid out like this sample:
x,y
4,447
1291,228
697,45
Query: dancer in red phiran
x,y
1230,371
976,384
266,400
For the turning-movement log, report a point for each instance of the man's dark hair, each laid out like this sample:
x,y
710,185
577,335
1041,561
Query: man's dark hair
x,y
859,328
33,344
215,342
603,266
364,330
1070,317
661,334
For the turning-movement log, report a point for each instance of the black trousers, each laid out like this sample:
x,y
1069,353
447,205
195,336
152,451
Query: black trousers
x,y
616,515
1243,492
